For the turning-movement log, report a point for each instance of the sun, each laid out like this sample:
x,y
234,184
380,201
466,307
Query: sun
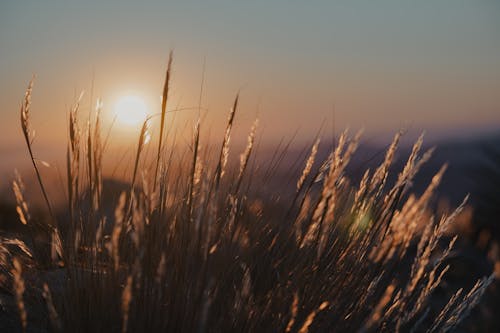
x,y
131,111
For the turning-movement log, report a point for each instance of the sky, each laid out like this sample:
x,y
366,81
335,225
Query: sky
x,y
298,66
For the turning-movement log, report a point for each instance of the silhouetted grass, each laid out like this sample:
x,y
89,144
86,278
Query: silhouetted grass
x,y
192,249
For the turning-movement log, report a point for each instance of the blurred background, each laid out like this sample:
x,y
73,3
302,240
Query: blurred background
x,y
302,68
382,66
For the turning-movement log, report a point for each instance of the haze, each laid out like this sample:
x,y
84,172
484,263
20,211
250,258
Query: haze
x,y
432,65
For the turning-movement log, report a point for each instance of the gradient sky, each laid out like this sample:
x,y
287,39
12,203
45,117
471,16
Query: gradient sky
x,y
431,65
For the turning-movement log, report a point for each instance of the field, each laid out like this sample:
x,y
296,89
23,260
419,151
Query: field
x,y
208,239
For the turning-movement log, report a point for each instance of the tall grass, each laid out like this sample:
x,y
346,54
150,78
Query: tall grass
x,y
192,249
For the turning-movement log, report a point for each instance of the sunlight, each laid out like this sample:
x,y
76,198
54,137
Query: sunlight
x,y
131,111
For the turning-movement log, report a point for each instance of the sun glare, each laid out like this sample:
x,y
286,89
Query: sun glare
x,y
131,111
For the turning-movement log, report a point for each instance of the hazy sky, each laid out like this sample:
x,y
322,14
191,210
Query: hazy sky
x,y
431,65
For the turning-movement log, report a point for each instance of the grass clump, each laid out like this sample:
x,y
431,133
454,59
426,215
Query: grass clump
x,y
193,249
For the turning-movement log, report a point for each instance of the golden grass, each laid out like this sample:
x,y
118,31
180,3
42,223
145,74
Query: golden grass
x,y
192,249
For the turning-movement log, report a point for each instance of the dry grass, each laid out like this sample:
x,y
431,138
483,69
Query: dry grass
x,y
193,250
